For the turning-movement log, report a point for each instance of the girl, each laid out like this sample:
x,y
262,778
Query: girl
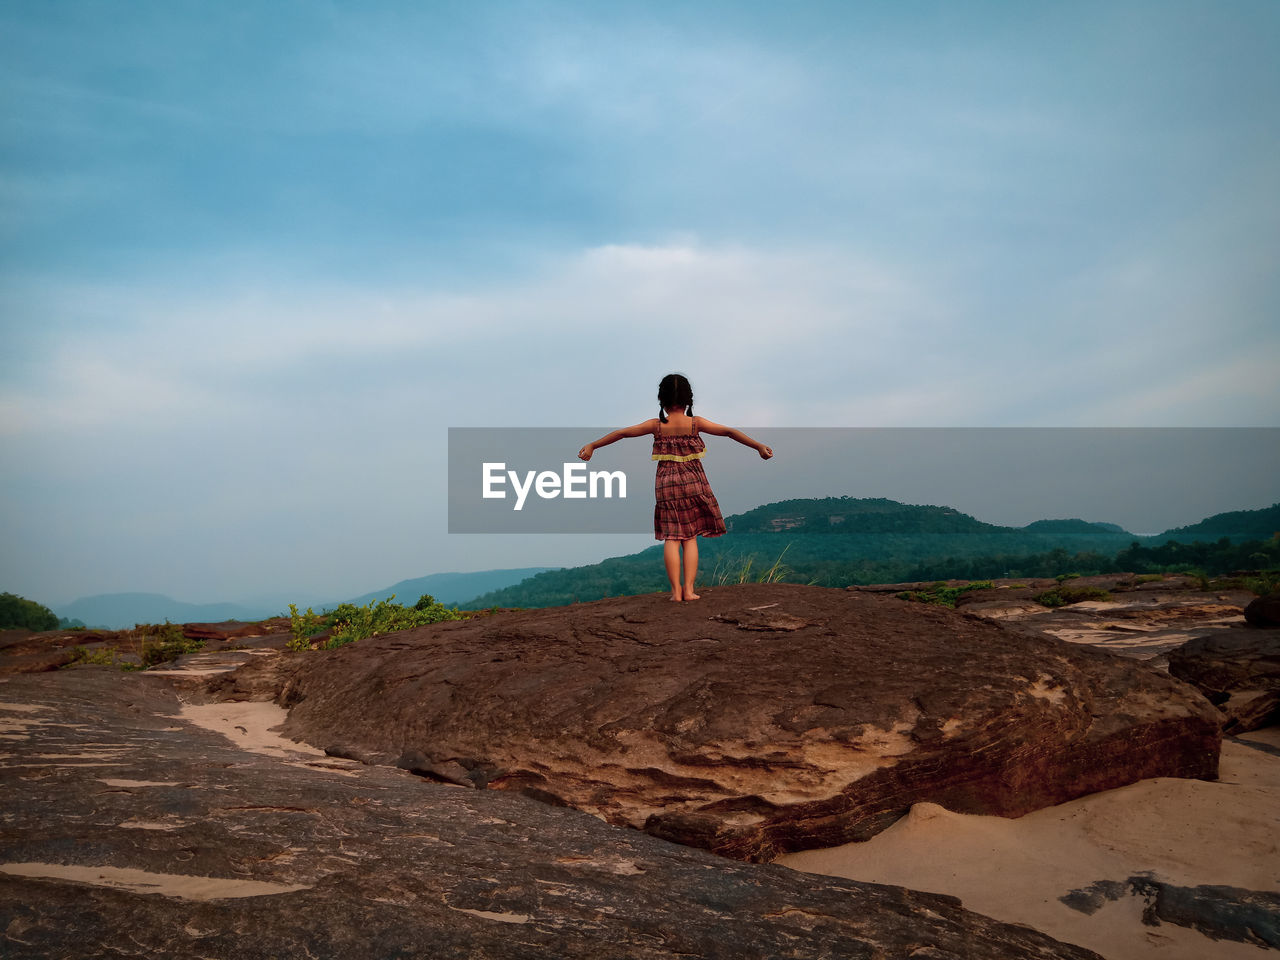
x,y
685,506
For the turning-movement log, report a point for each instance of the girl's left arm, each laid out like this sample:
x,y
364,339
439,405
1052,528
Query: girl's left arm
x,y
635,430
720,430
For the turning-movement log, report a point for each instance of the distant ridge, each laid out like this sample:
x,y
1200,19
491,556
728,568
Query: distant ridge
x,y
1074,526
450,588
852,515
119,611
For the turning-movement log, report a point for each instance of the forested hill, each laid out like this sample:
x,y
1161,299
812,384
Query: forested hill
x,y
845,515
1236,525
837,541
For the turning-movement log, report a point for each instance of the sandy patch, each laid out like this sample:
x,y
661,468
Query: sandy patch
x,y
141,881
1186,832
250,726
490,915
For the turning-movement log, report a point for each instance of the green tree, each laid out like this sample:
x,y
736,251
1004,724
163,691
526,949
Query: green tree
x,y
17,611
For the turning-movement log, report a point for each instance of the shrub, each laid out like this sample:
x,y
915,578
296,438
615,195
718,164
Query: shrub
x,y
103,656
303,626
1061,596
160,643
348,623
939,593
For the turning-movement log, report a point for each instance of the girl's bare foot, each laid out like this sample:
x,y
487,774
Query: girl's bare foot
x,y
690,595
676,597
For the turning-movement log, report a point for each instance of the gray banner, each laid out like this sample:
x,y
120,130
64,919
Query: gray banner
x,y
530,480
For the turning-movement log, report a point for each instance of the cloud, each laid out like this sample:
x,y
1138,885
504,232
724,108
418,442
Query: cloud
x,y
172,356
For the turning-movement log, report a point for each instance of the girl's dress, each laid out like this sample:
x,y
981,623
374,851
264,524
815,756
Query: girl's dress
x,y
684,505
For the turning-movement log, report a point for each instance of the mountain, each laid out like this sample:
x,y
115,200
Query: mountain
x,y
845,515
119,611
1236,525
1074,526
450,588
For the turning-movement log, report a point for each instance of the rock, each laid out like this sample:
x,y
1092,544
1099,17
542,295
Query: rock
x,y
230,629
1263,611
22,651
153,837
1143,619
1219,912
761,720
1239,671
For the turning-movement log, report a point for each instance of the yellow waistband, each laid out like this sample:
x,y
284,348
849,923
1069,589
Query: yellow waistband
x,y
678,458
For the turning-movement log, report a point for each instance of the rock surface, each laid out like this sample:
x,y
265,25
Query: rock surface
x,y
1219,912
763,719
1239,672
1143,617
1263,611
234,629
128,831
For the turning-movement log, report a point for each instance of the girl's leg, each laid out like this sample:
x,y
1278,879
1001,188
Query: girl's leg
x,y
690,567
671,560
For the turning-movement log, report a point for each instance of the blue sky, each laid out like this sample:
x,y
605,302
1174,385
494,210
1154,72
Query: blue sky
x,y
256,258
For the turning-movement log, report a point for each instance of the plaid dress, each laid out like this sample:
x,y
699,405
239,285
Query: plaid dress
x,y
684,505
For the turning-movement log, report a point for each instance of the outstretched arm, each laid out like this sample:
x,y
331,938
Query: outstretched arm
x,y
635,430
720,430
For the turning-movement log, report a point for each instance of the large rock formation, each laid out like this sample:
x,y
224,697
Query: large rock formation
x,y
128,831
1239,671
759,720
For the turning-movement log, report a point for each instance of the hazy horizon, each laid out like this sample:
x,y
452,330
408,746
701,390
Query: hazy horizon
x,y
626,544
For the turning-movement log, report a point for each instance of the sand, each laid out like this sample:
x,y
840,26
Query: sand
x,y
249,726
177,885
1186,832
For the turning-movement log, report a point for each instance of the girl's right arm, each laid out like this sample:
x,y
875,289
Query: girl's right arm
x,y
635,430
720,430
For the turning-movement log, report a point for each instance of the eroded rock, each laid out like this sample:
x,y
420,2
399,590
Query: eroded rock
x,y
760,720
1238,671
129,831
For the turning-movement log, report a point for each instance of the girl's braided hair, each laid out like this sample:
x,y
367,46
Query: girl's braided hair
x,y
674,391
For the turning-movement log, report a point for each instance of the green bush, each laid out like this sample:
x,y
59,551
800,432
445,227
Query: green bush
x,y
348,623
1061,596
303,626
103,656
939,593
160,643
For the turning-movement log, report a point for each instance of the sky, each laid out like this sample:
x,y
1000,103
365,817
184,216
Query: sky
x,y
256,259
